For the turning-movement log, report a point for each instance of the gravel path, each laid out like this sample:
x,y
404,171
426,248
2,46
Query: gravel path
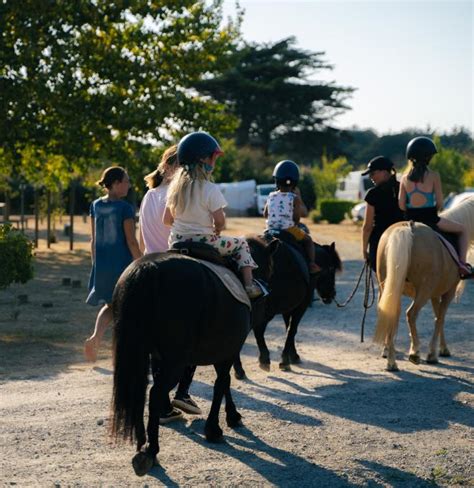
x,y
337,420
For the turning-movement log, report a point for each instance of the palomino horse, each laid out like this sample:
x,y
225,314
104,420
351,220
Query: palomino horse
x,y
173,308
412,260
291,292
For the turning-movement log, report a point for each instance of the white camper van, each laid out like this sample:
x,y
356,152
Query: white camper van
x,y
354,186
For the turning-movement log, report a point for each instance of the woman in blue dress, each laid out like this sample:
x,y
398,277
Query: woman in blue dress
x,y
113,247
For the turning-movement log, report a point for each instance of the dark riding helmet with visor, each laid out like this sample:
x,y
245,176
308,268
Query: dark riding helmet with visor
x,y
286,172
196,146
378,163
421,149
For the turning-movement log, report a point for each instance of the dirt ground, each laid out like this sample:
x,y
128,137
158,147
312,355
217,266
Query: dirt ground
x,y
336,420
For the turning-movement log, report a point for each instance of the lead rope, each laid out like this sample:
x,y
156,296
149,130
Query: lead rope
x,y
369,289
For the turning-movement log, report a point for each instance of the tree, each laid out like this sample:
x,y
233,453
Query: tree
x,y
452,167
269,89
97,81
326,176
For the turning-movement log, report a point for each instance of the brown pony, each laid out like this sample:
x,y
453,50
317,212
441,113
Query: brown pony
x,y
411,260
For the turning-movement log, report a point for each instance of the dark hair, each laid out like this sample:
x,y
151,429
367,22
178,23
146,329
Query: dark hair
x,y
169,158
111,175
285,183
417,171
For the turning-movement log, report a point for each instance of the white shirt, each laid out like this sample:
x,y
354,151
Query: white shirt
x,y
196,217
155,233
280,210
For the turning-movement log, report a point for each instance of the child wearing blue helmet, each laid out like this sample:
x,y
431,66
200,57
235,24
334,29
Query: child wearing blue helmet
x,y
195,205
284,208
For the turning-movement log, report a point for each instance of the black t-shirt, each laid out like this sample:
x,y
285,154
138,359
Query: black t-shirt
x,y
384,199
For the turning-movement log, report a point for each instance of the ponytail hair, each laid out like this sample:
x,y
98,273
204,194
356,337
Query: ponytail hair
x,y
417,170
185,187
110,176
161,173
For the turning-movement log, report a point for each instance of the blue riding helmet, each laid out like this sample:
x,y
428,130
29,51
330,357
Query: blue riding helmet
x,y
196,146
421,149
287,170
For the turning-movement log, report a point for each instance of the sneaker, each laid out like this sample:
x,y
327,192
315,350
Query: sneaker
x,y
253,291
171,416
187,404
466,271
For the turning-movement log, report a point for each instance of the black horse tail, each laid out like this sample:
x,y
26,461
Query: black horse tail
x,y
133,317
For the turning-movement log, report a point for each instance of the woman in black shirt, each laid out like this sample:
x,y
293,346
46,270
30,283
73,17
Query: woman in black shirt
x,y
382,206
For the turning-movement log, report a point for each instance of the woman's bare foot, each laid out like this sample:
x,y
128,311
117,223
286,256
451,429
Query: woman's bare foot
x,y
90,349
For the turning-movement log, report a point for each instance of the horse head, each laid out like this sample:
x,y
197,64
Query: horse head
x,y
329,261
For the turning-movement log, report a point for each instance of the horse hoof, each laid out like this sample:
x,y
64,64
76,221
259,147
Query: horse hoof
x,y
384,353
240,375
265,366
284,367
431,359
444,353
234,420
392,368
142,463
414,358
295,359
213,434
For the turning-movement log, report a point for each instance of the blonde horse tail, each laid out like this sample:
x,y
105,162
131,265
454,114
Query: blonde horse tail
x,y
397,257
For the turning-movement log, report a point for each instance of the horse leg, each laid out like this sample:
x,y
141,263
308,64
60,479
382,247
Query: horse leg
x,y
264,353
412,314
165,378
239,371
222,384
440,307
233,417
289,354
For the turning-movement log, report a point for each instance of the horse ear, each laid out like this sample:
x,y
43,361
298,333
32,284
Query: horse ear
x,y
272,247
333,246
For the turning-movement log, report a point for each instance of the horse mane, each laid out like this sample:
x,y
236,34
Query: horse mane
x,y
464,214
258,241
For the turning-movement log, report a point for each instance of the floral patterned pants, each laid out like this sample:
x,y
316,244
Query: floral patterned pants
x,y
235,247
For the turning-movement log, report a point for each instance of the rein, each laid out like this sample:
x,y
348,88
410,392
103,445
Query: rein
x,y
369,289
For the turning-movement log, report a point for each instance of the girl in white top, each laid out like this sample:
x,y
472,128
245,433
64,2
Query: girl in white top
x,y
195,205
154,234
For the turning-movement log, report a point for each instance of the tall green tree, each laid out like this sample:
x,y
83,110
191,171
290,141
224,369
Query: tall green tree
x,y
97,80
270,89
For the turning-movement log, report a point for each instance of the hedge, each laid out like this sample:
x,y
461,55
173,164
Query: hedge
x,y
334,210
16,257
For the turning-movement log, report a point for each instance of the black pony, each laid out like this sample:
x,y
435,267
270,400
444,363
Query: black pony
x,y
173,308
291,292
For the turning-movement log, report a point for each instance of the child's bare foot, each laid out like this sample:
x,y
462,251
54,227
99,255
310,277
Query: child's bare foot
x,y
90,349
314,268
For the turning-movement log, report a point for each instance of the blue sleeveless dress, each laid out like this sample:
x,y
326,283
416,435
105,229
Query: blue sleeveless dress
x,y
112,254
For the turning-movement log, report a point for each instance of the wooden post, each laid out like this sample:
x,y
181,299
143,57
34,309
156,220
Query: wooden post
x,y
72,207
36,216
48,219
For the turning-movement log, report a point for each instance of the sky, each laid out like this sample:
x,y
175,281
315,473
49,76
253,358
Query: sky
x,y
410,61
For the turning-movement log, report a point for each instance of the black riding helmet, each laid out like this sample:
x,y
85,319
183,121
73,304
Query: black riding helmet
x,y
421,149
287,170
196,146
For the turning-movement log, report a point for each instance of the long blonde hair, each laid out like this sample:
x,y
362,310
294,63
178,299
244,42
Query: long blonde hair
x,y
186,187
163,173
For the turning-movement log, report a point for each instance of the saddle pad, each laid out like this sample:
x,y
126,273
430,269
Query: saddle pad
x,y
229,280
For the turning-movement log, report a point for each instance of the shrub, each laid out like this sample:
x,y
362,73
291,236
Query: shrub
x,y
16,257
334,211
315,216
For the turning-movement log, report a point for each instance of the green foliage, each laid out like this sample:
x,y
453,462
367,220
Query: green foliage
x,y
92,83
16,257
334,211
306,186
326,175
452,167
271,89
315,216
243,163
